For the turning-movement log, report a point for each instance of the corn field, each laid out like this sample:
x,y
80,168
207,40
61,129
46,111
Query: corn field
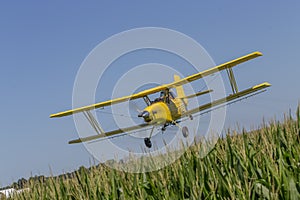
x,y
262,164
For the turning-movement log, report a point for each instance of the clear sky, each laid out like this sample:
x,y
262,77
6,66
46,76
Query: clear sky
x,y
42,45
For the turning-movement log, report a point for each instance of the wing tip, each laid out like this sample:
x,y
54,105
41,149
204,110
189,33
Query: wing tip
x,y
62,114
262,85
258,53
56,115
268,84
75,141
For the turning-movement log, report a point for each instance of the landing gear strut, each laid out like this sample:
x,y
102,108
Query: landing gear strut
x,y
164,127
148,142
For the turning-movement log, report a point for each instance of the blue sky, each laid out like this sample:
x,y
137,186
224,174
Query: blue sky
x,y
42,45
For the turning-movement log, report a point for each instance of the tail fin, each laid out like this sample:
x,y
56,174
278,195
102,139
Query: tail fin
x,y
179,90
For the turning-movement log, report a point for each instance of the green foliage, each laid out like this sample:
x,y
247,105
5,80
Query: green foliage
x,y
262,164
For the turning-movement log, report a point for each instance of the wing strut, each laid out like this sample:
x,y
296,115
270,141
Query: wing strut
x,y
167,96
147,100
89,116
232,80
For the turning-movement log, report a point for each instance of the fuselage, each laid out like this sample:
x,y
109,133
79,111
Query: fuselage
x,y
161,112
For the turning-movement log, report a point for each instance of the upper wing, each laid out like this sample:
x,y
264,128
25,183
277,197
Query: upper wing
x,y
110,102
110,133
162,87
221,67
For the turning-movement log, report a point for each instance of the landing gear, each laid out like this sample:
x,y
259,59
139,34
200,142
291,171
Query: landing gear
x,y
185,131
164,127
148,142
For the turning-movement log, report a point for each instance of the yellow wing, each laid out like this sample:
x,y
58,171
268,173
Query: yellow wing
x,y
221,67
229,98
110,133
196,110
162,87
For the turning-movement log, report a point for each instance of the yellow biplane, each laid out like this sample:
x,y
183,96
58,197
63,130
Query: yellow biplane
x,y
168,109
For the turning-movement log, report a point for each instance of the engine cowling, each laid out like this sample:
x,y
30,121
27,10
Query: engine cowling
x,y
156,113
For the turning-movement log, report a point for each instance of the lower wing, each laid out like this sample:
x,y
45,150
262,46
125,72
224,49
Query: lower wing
x,y
108,134
228,98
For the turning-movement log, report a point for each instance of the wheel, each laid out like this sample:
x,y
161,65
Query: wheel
x,y
185,131
191,117
148,142
163,128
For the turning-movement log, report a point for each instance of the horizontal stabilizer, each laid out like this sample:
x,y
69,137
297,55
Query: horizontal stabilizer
x,y
198,94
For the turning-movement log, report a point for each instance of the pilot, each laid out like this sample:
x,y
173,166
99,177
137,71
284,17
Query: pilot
x,y
162,95
160,98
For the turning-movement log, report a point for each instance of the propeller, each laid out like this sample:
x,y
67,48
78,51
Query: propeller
x,y
135,111
133,106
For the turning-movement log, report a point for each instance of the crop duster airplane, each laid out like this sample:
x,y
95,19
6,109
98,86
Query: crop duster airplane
x,y
168,109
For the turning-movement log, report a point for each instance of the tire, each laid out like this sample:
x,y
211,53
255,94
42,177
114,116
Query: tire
x,y
148,142
185,131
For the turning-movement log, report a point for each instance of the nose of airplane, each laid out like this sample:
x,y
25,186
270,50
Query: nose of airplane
x,y
145,115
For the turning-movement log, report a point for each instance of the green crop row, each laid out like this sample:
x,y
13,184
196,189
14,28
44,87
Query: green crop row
x,y
262,164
